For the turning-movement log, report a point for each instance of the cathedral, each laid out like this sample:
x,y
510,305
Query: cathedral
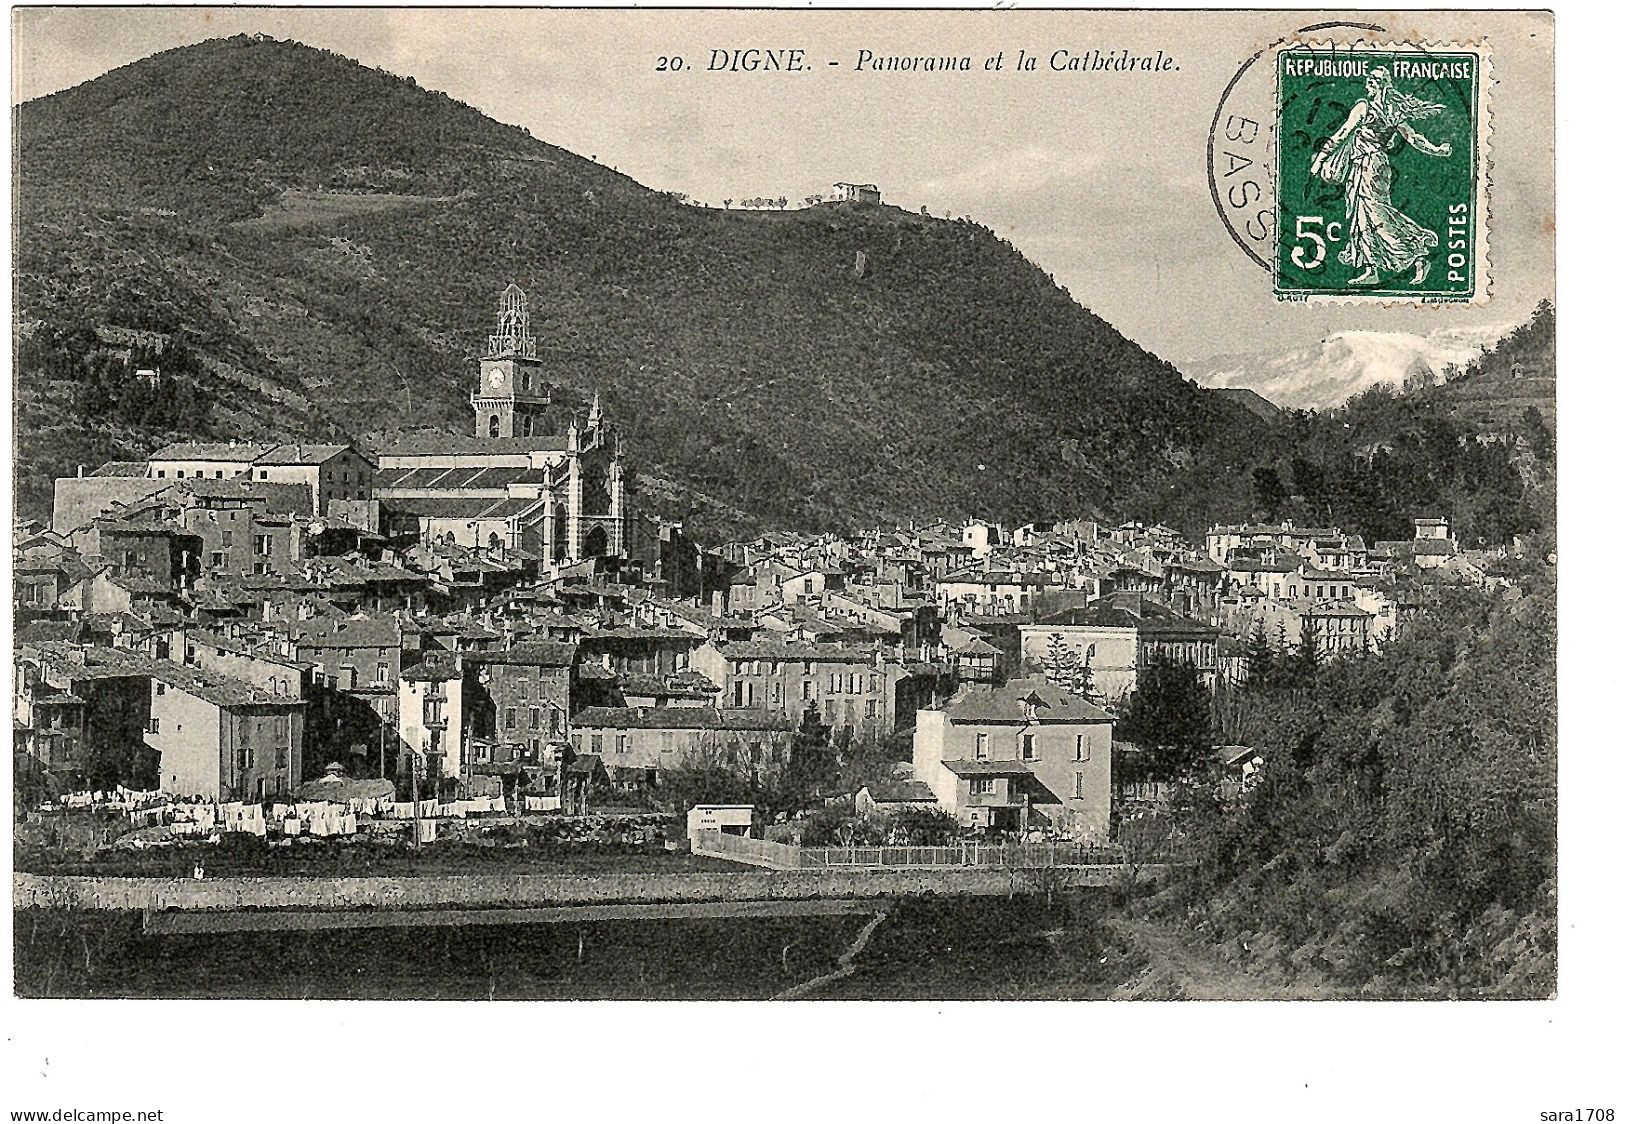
x,y
532,477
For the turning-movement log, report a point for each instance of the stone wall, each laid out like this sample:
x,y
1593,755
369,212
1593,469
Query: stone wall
x,y
485,891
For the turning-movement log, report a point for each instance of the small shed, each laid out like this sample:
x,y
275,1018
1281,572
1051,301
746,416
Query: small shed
x,y
896,796
730,819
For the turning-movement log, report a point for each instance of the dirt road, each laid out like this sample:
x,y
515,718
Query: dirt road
x,y
1181,968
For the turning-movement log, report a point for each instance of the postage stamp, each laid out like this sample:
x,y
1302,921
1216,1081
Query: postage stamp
x,y
1381,182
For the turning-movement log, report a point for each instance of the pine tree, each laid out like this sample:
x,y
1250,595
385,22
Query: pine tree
x,y
812,765
1169,715
1260,658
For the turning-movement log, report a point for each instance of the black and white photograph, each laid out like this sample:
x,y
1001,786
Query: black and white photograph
x,y
1033,523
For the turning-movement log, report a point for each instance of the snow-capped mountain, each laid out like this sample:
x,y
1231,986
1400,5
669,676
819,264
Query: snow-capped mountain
x,y
1321,376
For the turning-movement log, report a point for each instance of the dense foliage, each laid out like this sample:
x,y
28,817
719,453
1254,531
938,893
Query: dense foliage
x,y
1402,839
1169,718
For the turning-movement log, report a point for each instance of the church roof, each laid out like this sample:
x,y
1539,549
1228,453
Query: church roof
x,y
438,476
447,444
464,507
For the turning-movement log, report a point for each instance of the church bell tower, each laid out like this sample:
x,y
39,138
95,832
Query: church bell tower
x,y
511,399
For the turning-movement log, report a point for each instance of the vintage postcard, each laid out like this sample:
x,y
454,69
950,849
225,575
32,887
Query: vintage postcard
x,y
533,505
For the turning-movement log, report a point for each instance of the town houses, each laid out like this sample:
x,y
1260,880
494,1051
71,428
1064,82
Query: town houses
x,y
486,615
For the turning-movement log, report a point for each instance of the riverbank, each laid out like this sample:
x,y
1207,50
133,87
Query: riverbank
x,y
1026,946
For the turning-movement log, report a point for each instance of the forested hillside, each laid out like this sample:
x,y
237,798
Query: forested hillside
x,y
1403,840
328,241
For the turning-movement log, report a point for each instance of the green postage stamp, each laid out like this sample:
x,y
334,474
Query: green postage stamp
x,y
1381,174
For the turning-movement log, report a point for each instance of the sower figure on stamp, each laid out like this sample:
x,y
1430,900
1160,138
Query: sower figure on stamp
x,y
1381,239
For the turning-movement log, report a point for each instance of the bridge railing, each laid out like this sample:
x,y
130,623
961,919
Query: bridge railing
x,y
1023,856
1010,856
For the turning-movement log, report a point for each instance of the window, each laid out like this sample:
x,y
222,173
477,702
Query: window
x,y
834,682
535,718
161,689
598,744
160,474
512,718
620,744
981,786
152,726
262,545
1082,753
777,692
871,709
281,757
382,674
264,475
218,475
245,757
806,689
981,747
1078,791
1029,747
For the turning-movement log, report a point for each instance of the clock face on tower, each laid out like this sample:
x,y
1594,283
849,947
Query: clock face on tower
x,y
496,378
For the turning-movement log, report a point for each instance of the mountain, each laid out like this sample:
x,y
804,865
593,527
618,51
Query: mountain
x,y
1495,392
1321,376
313,247
1254,402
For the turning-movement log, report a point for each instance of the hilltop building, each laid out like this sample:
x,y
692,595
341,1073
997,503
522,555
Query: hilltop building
x,y
858,192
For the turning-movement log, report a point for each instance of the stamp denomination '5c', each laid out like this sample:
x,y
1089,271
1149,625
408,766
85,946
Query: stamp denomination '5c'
x,y
1380,179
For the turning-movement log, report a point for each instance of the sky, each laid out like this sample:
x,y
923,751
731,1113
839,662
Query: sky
x,y
1100,178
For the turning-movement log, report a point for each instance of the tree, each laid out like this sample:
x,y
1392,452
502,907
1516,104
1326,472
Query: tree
x,y
1260,658
1269,494
1065,669
1169,716
812,767
1538,435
